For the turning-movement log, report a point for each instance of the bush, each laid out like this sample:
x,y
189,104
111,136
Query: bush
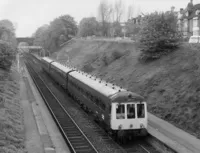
x,y
105,60
7,55
116,54
159,35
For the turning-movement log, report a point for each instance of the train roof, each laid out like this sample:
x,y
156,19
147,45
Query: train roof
x,y
47,59
127,96
62,67
103,87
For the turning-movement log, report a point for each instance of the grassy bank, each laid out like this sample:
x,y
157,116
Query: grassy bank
x,y
171,85
11,115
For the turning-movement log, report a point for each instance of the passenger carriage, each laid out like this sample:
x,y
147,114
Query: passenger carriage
x,y
121,112
57,71
46,63
60,73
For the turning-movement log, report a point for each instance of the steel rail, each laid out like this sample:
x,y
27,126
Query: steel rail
x,y
73,135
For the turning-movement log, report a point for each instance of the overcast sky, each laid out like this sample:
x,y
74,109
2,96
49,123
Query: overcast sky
x,y
28,15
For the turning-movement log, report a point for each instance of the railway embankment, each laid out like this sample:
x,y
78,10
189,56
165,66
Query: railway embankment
x,y
170,84
12,138
25,122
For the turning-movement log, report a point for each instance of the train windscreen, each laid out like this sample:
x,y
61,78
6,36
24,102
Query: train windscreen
x,y
120,111
130,111
140,111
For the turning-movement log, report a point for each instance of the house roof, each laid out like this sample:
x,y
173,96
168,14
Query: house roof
x,y
192,12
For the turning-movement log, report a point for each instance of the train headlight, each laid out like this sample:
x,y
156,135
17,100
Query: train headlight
x,y
141,126
131,125
120,127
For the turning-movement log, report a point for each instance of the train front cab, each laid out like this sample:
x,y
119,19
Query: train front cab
x,y
129,118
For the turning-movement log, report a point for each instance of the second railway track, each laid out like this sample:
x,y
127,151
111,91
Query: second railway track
x,y
75,138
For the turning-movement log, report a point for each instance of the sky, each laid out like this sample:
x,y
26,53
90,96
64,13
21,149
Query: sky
x,y
28,15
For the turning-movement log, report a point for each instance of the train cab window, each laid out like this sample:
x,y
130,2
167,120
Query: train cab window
x,y
120,111
140,111
130,111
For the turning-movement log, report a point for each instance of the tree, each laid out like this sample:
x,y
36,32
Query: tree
x,y
88,27
8,43
132,29
52,36
64,25
159,35
7,32
6,55
117,29
119,10
8,25
40,35
130,12
105,11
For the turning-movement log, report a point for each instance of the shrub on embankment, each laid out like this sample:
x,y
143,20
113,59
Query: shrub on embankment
x,y
7,54
159,35
8,43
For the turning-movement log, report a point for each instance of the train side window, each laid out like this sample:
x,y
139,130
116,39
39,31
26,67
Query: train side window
x,y
120,111
130,111
140,111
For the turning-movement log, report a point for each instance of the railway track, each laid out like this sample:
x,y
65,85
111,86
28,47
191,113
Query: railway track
x,y
75,138
91,126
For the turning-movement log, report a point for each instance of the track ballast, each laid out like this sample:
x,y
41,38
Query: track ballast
x,y
75,138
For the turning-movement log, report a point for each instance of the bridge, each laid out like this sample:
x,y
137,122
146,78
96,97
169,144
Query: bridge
x,y
28,40
29,47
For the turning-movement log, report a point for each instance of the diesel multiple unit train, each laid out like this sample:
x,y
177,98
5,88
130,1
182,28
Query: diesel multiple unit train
x,y
121,113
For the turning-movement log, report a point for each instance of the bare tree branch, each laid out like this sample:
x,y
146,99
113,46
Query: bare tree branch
x,y
119,10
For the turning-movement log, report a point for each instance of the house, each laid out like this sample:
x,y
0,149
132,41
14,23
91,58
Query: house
x,y
189,19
